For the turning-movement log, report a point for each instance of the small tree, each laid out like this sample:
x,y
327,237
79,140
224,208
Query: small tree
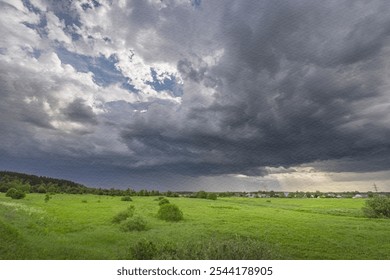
x,y
212,196
52,189
15,194
3,188
201,194
377,207
41,189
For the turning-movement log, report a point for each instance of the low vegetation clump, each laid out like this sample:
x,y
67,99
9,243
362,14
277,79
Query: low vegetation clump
x,y
144,250
235,248
377,207
126,198
212,196
171,194
135,223
204,195
163,201
15,194
41,189
170,212
123,215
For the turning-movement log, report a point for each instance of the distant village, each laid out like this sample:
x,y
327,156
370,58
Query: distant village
x,y
297,194
317,194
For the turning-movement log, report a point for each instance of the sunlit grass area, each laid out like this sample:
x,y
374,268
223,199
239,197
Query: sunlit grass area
x,y
80,227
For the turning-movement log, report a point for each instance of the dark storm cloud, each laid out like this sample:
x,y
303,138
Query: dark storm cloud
x,y
187,70
14,110
255,84
79,112
293,82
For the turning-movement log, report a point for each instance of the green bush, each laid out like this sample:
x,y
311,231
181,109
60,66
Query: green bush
x,y
212,196
123,215
144,250
11,192
3,188
170,212
163,201
41,189
135,223
377,207
15,194
201,194
126,198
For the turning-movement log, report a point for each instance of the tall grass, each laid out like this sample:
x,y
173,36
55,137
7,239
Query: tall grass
x,y
234,248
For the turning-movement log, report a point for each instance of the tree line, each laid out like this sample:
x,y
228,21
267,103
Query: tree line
x,y
27,183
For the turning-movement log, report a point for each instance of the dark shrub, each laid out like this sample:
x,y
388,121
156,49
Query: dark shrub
x,y
135,223
52,190
126,198
201,194
170,212
144,250
41,189
15,194
3,188
212,196
123,215
377,207
10,192
163,201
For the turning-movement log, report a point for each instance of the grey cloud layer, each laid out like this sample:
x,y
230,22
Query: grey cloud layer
x,y
265,83
297,83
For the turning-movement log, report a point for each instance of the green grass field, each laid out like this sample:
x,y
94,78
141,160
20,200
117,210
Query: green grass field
x,y
80,227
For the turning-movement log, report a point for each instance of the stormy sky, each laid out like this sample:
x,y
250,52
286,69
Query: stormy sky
x,y
189,95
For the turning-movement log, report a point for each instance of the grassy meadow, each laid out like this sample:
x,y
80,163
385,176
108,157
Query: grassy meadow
x,y
80,227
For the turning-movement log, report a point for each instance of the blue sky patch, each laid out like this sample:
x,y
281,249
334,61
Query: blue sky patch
x,y
31,7
168,84
196,3
129,86
40,28
103,69
90,5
